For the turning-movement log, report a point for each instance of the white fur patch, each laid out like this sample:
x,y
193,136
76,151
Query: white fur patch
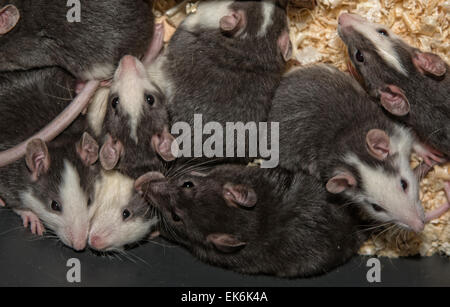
x,y
131,87
382,43
112,195
97,110
268,9
99,72
73,223
208,15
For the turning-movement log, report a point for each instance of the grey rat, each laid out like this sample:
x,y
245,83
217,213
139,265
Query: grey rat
x,y
53,183
330,128
225,62
255,221
412,85
36,34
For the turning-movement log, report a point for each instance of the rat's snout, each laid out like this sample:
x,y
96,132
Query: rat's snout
x,y
78,243
97,242
417,225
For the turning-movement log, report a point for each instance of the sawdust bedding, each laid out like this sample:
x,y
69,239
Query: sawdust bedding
x,y
421,23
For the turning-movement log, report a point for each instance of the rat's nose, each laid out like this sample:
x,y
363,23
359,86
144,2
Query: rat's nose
x,y
417,225
97,242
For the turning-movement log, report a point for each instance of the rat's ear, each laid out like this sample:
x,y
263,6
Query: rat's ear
x,y
341,182
378,144
9,17
225,243
239,195
285,45
110,153
162,143
429,63
37,158
146,178
232,24
393,99
87,149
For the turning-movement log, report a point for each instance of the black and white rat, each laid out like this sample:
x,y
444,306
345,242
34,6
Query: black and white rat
x,y
225,62
36,34
255,221
412,85
330,128
54,183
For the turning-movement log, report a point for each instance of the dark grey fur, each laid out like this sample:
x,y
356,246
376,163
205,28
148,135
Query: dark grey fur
x,y
429,97
43,37
293,231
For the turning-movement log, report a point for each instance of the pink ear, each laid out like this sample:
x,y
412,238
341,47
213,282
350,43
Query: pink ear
x,y
225,242
393,99
239,195
87,149
110,153
162,143
378,144
146,178
9,17
429,63
285,45
233,23
340,183
37,158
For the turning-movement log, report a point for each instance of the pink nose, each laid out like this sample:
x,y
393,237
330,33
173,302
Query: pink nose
x,y
96,242
79,245
417,226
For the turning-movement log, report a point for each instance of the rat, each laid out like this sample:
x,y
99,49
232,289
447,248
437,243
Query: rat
x,y
36,34
253,220
135,127
122,217
225,62
53,183
411,85
330,128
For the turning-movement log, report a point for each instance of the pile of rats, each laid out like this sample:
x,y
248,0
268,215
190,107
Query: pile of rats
x,y
86,146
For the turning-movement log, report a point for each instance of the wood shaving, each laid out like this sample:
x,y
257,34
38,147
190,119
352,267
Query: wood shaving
x,y
421,23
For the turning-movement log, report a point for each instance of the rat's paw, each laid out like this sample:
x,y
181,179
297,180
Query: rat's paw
x,y
29,218
436,213
429,155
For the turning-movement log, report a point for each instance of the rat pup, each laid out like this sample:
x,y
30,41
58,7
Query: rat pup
x,y
331,129
412,85
36,34
254,221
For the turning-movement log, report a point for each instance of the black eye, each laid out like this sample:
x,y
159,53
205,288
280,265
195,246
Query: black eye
x,y
377,208
115,102
55,206
126,214
150,99
404,184
359,57
175,217
188,185
383,32
89,202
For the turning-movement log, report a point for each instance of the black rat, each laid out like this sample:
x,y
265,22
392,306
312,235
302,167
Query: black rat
x,y
254,221
36,34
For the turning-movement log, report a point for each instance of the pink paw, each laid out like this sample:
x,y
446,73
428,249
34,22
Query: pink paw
x,y
429,155
436,213
2,203
29,218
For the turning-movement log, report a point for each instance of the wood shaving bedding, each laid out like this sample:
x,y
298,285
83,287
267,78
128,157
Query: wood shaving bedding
x,y
421,23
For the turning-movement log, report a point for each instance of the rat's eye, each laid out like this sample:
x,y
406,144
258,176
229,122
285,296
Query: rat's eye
x,y
115,102
56,206
89,202
126,214
188,185
383,32
404,184
150,99
359,56
377,208
175,217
